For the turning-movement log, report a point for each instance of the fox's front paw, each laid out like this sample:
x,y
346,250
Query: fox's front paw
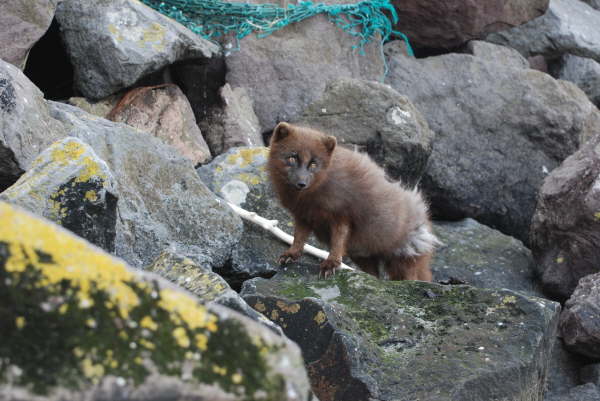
x,y
288,257
328,267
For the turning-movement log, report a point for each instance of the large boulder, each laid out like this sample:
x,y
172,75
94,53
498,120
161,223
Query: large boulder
x,y
26,127
480,256
162,203
583,72
82,325
114,43
290,68
569,26
232,123
70,185
499,131
447,24
565,230
368,339
23,23
373,117
580,319
164,112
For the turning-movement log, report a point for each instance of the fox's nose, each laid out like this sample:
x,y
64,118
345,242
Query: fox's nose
x,y
301,185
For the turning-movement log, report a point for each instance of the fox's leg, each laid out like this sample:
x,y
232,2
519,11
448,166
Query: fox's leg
x,y
340,231
368,264
409,268
301,233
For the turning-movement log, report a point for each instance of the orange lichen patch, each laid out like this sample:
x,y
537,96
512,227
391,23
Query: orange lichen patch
x,y
243,157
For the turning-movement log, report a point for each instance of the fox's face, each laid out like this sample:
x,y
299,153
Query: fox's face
x,y
300,156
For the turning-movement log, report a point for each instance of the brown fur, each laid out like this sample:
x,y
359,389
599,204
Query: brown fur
x,y
349,204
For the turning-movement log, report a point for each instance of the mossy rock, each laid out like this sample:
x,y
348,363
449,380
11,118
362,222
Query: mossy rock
x,y
369,339
78,323
70,185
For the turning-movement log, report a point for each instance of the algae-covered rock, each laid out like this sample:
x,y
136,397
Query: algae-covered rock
x,y
70,185
79,324
206,285
162,202
368,339
240,176
482,257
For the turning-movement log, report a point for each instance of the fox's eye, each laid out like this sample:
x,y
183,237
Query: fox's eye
x,y
291,160
312,165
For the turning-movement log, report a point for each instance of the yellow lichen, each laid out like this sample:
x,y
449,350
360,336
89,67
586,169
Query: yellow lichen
x,y
260,307
20,322
91,196
181,337
219,370
320,318
148,323
236,378
560,259
246,156
293,308
201,342
274,314
91,370
597,215
250,179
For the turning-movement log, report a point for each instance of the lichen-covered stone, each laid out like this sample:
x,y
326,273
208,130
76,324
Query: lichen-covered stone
x,y
240,176
209,287
482,257
26,127
369,339
374,118
162,202
81,322
114,43
70,185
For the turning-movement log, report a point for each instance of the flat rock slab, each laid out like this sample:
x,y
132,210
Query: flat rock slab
x,y
367,339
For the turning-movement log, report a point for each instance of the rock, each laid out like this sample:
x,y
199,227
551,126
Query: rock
x,y
70,185
100,108
26,127
83,325
369,339
164,112
580,319
563,372
482,257
538,63
447,24
565,226
569,26
585,392
99,36
593,3
23,23
499,131
234,124
162,204
240,176
209,287
583,72
590,374
503,56
287,70
373,117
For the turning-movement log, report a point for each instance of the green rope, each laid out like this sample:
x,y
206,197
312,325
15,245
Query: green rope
x,y
213,18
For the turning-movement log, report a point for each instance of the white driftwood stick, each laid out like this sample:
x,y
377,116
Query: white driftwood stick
x,y
271,226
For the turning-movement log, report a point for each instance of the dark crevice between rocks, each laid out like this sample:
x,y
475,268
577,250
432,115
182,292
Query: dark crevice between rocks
x,y
424,52
48,66
9,168
236,279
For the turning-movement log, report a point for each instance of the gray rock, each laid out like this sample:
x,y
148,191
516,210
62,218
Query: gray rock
x,y
590,374
593,3
26,127
209,287
23,23
580,319
585,392
499,131
114,43
563,372
373,117
290,68
482,257
569,26
240,176
163,111
502,55
450,23
163,203
565,230
368,339
71,186
233,124
583,72
83,325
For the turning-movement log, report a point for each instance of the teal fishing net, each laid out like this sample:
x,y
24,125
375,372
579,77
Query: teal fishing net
x,y
213,18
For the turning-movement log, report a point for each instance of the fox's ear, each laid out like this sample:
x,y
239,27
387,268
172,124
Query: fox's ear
x,y
329,142
281,131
